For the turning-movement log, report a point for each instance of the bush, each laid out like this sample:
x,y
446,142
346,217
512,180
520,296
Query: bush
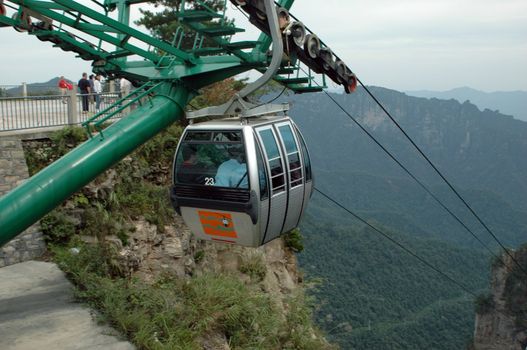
x,y
484,303
300,332
67,138
57,228
294,240
254,266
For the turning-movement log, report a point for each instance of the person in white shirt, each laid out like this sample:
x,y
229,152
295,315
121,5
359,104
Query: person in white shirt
x,y
233,172
125,87
97,90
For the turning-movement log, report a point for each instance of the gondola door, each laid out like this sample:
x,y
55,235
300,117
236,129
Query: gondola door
x,y
295,172
274,160
308,173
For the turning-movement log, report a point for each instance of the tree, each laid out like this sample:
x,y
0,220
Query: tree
x,y
164,24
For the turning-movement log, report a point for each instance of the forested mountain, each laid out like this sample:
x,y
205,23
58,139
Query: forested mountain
x,y
508,102
374,295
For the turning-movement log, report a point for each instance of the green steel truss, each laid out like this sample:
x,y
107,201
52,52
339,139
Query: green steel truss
x,y
87,31
167,74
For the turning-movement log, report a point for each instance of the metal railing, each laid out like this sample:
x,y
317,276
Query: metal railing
x,y
17,113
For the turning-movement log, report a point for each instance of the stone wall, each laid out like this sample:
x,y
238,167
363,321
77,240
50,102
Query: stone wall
x,y
13,170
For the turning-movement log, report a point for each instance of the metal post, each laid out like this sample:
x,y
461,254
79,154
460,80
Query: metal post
x,y
24,89
73,112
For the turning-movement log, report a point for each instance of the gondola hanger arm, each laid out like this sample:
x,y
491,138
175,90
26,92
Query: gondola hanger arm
x,y
238,106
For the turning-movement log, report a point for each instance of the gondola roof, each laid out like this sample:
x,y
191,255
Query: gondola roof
x,y
237,122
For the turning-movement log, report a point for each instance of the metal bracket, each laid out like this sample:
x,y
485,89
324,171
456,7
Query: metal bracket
x,y
238,106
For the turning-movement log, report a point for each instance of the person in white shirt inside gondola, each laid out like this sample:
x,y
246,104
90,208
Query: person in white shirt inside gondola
x,y
233,172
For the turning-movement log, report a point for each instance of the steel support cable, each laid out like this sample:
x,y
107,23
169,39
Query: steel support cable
x,y
399,244
419,182
442,177
276,97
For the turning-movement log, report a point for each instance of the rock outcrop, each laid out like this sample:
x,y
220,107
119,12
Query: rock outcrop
x,y
501,321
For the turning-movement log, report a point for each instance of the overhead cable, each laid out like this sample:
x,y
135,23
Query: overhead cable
x,y
442,176
399,244
419,182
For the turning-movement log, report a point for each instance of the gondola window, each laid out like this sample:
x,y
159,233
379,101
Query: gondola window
x,y
212,159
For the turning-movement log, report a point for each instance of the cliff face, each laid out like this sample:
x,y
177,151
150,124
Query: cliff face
x,y
150,253
501,319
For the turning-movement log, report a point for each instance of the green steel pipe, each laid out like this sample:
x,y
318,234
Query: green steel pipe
x,y
37,196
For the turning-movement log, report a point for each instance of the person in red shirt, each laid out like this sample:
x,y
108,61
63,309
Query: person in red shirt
x,y
64,86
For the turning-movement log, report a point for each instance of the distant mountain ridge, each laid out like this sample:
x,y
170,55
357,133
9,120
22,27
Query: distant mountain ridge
x,y
35,88
507,102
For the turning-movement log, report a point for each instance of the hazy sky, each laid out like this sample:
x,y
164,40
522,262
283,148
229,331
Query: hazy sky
x,y
404,45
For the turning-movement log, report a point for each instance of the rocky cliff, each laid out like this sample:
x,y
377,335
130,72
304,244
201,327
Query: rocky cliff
x,y
501,319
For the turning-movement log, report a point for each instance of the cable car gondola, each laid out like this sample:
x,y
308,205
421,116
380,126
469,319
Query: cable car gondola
x,y
242,181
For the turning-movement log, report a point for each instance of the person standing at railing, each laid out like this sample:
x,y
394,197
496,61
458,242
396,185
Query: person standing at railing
x,y
64,86
84,87
125,86
97,89
91,79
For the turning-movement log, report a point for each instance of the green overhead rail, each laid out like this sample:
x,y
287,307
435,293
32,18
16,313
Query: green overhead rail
x,y
167,74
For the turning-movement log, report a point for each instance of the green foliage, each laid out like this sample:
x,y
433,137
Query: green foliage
x,y
80,200
294,240
142,199
62,141
164,24
484,303
175,314
91,262
67,138
57,227
253,265
390,299
299,324
100,222
198,256
161,148
367,278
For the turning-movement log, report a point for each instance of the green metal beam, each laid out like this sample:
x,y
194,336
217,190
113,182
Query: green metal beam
x,y
125,29
210,68
48,5
95,28
75,24
8,21
31,200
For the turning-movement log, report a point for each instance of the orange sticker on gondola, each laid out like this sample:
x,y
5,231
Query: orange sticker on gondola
x,y
217,224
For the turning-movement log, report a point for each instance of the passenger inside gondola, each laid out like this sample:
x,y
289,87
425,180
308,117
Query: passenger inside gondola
x,y
233,172
188,169
212,159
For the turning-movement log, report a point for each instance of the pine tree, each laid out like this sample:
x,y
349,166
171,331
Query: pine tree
x,y
164,23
